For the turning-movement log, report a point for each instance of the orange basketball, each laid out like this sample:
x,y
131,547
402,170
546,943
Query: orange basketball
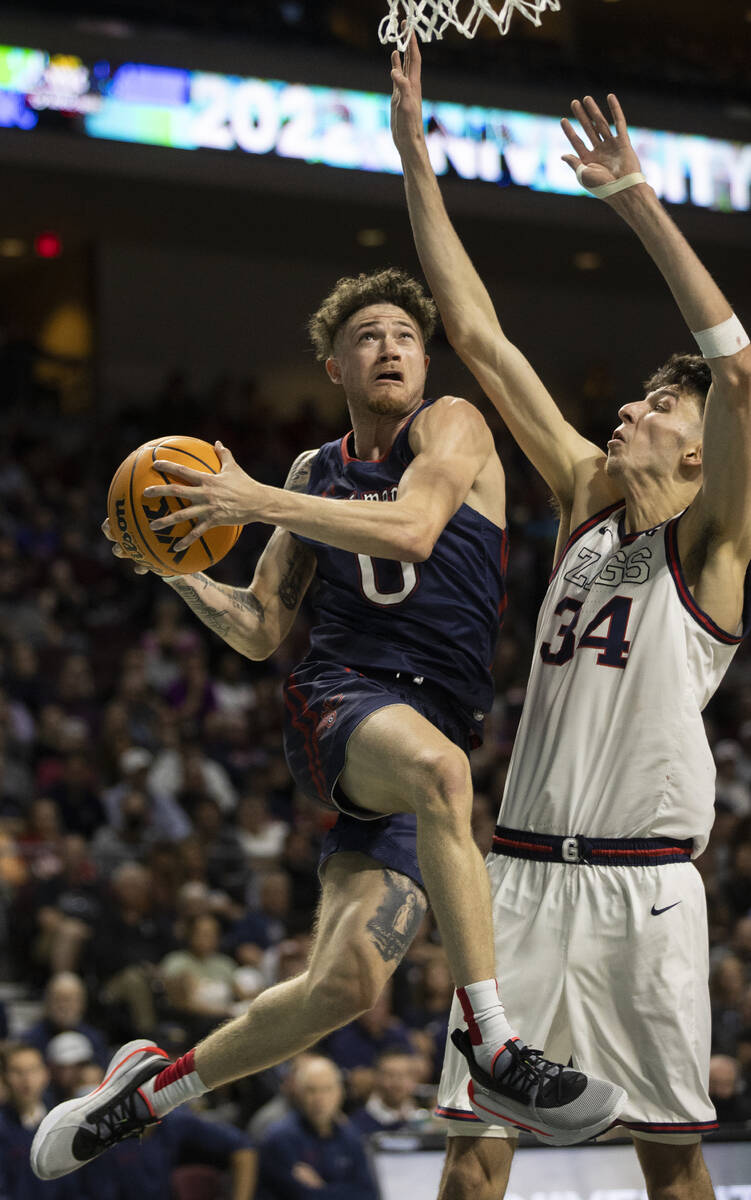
x,y
130,512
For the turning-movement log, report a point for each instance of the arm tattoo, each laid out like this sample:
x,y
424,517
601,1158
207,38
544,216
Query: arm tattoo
x,y
299,472
398,916
221,622
292,583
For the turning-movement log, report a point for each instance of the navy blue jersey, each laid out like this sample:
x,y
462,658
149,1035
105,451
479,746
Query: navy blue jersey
x,y
438,619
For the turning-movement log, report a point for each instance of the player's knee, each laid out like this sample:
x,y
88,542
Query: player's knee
x,y
443,782
348,986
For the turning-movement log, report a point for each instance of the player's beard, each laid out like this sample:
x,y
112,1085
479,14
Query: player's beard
x,y
389,402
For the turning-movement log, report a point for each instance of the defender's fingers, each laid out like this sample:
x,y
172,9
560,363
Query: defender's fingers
x,y
178,471
597,118
118,551
105,527
572,160
582,117
576,142
415,54
619,119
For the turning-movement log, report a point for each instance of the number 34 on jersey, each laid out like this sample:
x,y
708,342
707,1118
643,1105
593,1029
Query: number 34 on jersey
x,y
606,632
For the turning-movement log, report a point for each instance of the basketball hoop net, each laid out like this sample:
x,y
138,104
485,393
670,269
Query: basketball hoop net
x,y
429,18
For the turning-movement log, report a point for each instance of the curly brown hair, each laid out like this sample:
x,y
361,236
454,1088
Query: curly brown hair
x,y
354,292
689,372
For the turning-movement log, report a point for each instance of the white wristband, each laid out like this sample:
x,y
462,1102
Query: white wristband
x,y
609,189
722,340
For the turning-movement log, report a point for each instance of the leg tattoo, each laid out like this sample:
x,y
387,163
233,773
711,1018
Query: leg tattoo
x,y
398,916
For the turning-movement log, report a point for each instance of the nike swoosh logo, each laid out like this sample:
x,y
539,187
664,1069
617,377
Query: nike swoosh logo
x,y
656,911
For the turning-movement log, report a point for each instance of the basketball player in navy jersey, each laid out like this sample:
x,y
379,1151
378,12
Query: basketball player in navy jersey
x,y
610,789
402,525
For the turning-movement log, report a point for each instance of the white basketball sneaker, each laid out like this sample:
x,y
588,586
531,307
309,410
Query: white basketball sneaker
x,y
81,1129
559,1105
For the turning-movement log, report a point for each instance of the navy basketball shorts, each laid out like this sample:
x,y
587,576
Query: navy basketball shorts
x,y
324,704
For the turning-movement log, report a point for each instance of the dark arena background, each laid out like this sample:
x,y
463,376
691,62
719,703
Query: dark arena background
x,y
180,187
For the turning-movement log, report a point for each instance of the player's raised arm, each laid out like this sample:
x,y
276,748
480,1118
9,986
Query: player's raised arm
x,y
720,517
560,454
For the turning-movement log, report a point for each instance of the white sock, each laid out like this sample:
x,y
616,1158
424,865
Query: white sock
x,y
174,1085
486,1020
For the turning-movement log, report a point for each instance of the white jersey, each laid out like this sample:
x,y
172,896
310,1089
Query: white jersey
x,y
611,742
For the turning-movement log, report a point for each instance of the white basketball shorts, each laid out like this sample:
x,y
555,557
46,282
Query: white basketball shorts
x,y
607,966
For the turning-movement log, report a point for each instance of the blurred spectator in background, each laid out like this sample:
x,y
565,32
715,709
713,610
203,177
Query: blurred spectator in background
x,y
169,640
233,692
24,676
52,918
64,1011
167,819
185,773
727,1091
25,1078
133,838
192,695
737,888
391,1104
76,795
140,702
131,936
41,839
261,835
16,783
357,1046
280,1081
264,926
201,984
430,1013
727,984
300,862
315,1150
730,788
67,1055
226,866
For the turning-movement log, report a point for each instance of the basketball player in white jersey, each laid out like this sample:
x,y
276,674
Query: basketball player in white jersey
x,y
600,916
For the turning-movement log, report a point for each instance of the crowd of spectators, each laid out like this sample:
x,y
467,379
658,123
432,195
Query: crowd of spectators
x,y
157,864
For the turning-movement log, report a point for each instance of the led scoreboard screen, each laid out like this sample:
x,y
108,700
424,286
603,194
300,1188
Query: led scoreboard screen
x,y
191,110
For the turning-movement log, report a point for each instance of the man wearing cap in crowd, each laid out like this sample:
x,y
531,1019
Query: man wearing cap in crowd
x,y
66,1055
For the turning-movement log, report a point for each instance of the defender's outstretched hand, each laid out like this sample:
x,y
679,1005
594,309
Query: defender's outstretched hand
x,y
406,99
612,156
223,499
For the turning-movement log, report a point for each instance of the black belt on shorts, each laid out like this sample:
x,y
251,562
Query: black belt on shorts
x,y
621,852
